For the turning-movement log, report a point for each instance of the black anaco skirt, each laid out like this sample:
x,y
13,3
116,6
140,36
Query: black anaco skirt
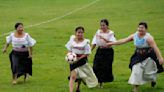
x,y
102,66
78,64
20,63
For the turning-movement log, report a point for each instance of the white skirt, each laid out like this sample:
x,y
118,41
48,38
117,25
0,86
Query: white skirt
x,y
86,73
143,72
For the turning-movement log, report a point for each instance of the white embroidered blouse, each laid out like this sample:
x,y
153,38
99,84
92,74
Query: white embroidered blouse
x,y
20,44
100,42
80,47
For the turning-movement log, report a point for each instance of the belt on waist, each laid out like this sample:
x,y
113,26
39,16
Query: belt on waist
x,y
104,47
79,55
143,51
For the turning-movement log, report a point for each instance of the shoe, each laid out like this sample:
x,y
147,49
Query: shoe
x,y
153,84
26,77
100,85
135,89
14,82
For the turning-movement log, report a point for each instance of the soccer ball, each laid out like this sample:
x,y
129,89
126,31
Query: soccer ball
x,y
71,58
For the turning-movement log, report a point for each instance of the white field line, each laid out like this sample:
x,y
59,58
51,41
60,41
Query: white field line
x,y
56,18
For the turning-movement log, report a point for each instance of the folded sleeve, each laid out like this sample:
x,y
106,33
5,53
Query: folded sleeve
x,y
9,38
94,40
112,37
87,48
31,41
69,45
72,37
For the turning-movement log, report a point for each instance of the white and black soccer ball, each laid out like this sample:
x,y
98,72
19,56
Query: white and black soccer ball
x,y
71,58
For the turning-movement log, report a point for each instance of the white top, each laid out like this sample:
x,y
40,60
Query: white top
x,y
108,36
141,42
20,44
80,47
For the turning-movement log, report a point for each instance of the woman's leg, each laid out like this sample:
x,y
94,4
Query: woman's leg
x,y
135,88
26,77
136,78
153,83
101,85
72,80
15,63
14,79
78,85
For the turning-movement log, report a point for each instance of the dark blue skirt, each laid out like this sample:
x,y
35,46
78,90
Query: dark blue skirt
x,y
78,63
20,63
102,66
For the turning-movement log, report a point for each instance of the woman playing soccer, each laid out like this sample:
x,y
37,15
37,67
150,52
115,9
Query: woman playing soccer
x,y
146,59
80,71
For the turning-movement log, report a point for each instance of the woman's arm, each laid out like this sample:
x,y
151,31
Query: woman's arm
x,y
122,41
152,44
5,48
82,56
93,46
101,37
93,43
30,51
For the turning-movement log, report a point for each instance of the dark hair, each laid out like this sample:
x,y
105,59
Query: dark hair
x,y
79,27
17,24
105,21
144,24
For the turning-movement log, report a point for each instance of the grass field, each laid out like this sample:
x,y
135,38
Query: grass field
x,y
50,70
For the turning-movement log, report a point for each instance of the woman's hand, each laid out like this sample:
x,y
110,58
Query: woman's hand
x,y
101,37
161,61
82,56
77,59
4,50
30,56
109,44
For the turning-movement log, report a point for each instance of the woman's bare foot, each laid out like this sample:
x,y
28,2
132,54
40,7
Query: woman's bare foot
x,y
14,82
153,84
100,85
135,88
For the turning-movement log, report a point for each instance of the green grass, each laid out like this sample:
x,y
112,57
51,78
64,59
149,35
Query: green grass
x,y
50,70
